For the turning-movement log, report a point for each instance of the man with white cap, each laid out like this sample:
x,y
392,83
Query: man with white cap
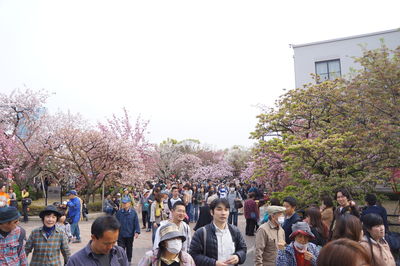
x,y
270,237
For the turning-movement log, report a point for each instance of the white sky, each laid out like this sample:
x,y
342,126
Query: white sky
x,y
195,69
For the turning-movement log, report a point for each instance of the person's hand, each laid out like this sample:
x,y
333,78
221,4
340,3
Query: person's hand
x,y
352,203
220,263
136,235
155,225
308,255
234,259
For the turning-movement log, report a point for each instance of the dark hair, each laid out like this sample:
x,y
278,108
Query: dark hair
x,y
219,201
149,184
292,201
328,202
343,252
104,223
370,199
316,221
173,188
345,193
158,197
252,195
178,203
275,202
370,220
232,185
348,226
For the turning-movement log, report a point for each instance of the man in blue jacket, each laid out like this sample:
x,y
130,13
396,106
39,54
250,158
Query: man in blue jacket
x,y
74,214
130,228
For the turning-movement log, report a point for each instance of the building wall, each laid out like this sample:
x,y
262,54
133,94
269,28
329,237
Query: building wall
x,y
344,49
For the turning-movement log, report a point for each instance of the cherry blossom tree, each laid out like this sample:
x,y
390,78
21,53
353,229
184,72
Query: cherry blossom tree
x,y
111,152
22,116
186,165
215,171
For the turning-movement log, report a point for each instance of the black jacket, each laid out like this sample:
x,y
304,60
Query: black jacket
x,y
204,217
210,256
287,226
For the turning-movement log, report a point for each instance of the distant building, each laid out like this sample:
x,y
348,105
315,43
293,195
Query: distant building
x,y
334,58
23,127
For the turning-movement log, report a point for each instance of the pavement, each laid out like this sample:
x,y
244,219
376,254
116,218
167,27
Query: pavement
x,y
142,244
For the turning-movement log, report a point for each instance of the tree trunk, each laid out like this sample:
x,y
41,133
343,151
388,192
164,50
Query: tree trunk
x,y
87,197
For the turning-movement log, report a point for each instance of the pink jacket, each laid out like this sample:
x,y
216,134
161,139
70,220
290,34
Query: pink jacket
x,y
150,259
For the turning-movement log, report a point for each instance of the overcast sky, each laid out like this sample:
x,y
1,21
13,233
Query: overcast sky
x,y
195,69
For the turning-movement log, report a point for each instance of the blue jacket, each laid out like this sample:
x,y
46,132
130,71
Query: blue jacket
x,y
286,257
74,209
129,222
287,226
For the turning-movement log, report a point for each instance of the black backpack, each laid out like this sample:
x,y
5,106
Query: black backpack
x,y
26,201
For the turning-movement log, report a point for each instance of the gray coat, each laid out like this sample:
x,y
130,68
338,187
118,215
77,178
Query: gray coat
x,y
231,199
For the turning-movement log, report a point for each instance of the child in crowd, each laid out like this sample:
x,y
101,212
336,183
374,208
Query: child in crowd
x,y
65,227
85,211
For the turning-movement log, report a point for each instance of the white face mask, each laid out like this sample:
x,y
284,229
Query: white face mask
x,y
281,220
232,189
300,247
174,246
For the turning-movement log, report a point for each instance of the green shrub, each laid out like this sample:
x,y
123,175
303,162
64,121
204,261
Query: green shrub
x,y
94,207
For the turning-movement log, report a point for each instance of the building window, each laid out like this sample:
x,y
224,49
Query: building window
x,y
328,70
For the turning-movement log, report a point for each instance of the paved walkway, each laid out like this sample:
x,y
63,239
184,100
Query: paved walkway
x,y
142,244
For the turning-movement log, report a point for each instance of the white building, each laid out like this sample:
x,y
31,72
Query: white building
x,y
334,58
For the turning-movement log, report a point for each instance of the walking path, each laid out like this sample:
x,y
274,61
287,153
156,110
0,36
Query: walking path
x,y
141,245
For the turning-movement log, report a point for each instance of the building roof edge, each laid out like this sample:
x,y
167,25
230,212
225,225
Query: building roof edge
x,y
344,38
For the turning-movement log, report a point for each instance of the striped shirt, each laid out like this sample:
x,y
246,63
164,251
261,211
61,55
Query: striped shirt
x,y
9,249
46,251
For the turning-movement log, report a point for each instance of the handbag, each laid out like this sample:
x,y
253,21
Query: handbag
x,y
27,201
238,204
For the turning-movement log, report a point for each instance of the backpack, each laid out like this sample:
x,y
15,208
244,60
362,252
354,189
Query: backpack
x,y
27,201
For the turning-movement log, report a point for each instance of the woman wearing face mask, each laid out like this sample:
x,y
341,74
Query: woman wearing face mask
x,y
170,249
270,237
300,251
373,240
233,198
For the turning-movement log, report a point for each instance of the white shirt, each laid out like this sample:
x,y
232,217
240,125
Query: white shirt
x,y
226,247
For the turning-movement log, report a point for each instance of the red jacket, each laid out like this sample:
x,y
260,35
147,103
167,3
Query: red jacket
x,y
250,206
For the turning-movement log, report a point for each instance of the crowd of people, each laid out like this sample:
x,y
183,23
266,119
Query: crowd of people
x,y
321,234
